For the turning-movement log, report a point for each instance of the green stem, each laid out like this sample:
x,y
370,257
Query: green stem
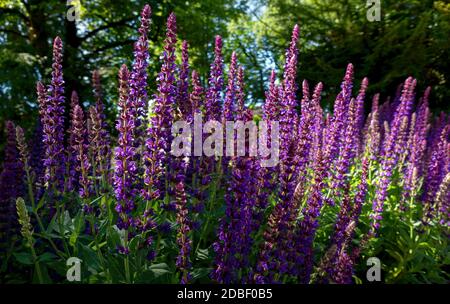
x,y
411,220
30,186
61,227
158,242
36,264
97,245
38,218
126,261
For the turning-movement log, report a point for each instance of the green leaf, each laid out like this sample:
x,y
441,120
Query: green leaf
x,y
24,258
114,237
134,243
52,226
156,273
58,266
78,223
89,258
159,269
41,203
46,257
200,273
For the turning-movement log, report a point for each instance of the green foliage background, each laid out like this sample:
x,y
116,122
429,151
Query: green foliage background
x,y
411,39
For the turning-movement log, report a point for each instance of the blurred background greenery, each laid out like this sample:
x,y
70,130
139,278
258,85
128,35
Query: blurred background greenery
x,y
412,38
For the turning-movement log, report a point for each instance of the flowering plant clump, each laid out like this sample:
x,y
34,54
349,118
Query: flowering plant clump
x,y
347,185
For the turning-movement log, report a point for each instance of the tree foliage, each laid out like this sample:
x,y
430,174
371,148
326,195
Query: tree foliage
x,y
102,38
410,39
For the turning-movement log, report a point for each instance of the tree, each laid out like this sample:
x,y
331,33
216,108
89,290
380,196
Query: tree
x,y
411,39
102,38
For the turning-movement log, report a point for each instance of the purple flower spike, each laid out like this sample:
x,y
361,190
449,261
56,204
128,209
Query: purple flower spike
x,y
80,150
337,127
230,96
215,83
240,94
137,95
42,100
180,169
235,231
183,260
183,83
306,125
125,154
156,155
72,179
52,118
358,148
267,176
274,254
303,146
271,105
417,144
11,187
12,173
289,121
374,130
443,201
345,160
288,113
436,171
196,96
197,164
390,148
100,147
319,124
348,218
307,227
24,154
